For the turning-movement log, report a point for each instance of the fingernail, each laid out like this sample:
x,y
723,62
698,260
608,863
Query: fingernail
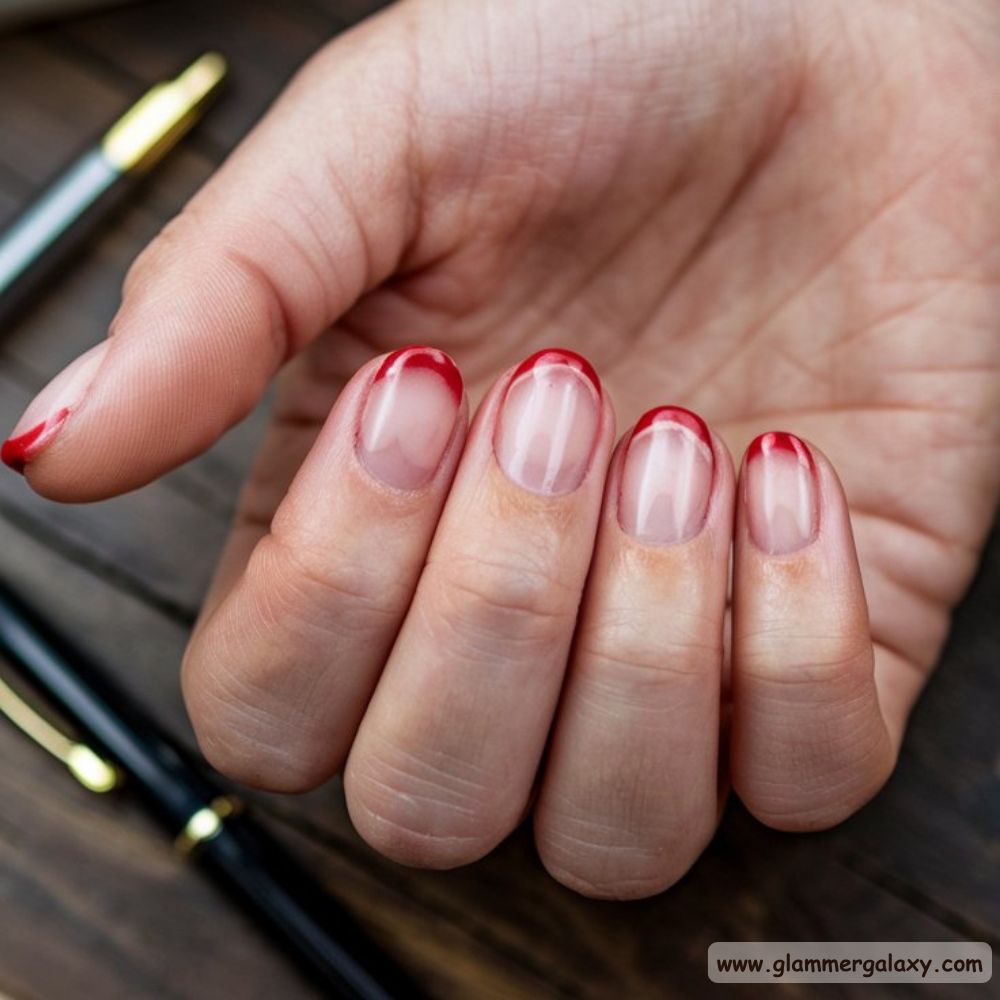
x,y
409,416
548,423
48,412
667,477
782,508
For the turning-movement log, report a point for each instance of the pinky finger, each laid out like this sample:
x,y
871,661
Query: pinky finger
x,y
809,743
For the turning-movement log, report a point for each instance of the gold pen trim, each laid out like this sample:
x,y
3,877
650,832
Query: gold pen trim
x,y
206,824
158,119
90,769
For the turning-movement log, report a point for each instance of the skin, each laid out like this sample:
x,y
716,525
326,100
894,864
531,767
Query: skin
x,y
781,215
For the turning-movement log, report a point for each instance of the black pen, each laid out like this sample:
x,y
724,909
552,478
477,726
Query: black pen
x,y
208,824
82,195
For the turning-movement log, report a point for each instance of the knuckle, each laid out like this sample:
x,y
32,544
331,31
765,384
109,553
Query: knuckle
x,y
245,736
821,662
269,765
620,830
428,809
160,252
192,245
636,669
174,245
586,877
507,597
318,588
257,718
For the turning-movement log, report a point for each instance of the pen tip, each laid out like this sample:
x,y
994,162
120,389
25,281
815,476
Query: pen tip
x,y
204,74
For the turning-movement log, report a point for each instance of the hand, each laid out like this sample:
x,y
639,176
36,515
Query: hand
x,y
777,214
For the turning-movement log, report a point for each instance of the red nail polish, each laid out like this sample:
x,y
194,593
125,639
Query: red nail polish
x,y
17,452
417,356
781,492
673,415
559,356
667,476
549,422
409,417
776,441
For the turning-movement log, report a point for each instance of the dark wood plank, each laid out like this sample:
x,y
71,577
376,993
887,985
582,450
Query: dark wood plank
x,y
935,831
47,123
93,900
264,42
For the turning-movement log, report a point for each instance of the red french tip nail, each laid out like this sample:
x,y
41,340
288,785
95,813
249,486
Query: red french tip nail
x,y
673,415
766,444
559,356
417,356
19,451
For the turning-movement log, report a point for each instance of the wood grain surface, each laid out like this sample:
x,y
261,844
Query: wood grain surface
x,y
94,902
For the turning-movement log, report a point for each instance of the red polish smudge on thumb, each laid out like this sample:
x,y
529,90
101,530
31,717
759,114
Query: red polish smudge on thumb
x,y
17,452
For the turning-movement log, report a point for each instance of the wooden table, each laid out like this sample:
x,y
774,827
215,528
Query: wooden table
x,y
94,902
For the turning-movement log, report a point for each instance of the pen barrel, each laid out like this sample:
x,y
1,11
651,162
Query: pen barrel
x,y
172,785
55,225
321,935
237,851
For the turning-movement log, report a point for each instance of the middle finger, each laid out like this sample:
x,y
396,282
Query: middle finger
x,y
629,798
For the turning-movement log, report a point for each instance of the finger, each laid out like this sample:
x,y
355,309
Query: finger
x,y
444,761
809,744
629,796
277,677
297,224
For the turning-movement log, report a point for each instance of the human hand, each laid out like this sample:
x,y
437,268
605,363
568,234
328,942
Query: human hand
x,y
780,215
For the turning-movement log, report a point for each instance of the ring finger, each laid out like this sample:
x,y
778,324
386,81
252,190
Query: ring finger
x,y
629,797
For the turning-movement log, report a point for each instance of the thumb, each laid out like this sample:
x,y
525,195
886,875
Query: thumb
x,y
312,210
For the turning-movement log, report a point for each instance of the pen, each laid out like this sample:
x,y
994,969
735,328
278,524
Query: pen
x,y
61,218
208,824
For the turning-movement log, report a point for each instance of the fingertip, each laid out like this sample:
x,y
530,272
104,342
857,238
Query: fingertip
x,y
438,822
45,424
591,857
21,447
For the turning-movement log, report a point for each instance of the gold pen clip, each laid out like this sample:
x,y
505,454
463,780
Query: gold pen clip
x,y
89,768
